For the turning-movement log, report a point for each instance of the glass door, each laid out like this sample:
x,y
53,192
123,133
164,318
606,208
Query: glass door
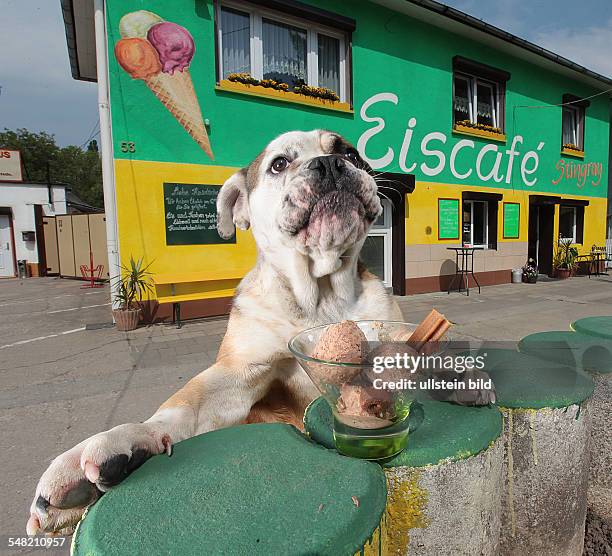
x,y
376,252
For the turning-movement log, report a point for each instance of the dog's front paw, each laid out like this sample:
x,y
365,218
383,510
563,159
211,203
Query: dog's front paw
x,y
78,477
478,389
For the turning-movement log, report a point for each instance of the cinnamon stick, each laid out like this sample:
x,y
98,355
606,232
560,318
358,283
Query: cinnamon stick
x,y
432,328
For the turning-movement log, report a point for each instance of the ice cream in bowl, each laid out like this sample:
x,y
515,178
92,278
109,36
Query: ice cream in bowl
x,y
369,373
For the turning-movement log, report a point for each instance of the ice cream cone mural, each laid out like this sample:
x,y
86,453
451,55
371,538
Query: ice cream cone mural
x,y
159,53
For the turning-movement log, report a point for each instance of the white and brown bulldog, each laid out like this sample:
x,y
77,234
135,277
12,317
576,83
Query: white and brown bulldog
x,y
309,200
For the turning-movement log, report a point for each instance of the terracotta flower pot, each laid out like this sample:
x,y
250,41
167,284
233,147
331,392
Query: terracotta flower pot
x,y
126,319
563,273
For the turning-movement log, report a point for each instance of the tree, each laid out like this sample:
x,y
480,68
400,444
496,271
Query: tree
x,y
79,169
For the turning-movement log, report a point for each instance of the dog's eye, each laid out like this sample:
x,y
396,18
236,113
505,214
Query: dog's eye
x,y
279,164
352,156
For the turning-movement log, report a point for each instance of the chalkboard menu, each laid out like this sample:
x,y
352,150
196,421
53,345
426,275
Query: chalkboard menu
x,y
448,218
191,214
512,215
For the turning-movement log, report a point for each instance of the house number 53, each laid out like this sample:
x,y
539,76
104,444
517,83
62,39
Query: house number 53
x,y
128,147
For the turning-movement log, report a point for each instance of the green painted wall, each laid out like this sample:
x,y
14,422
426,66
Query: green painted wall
x,y
391,54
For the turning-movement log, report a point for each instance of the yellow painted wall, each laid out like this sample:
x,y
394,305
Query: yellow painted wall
x,y
140,205
142,232
422,214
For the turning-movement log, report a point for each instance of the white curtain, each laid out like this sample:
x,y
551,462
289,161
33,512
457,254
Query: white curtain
x,y
569,126
284,53
329,63
462,100
235,37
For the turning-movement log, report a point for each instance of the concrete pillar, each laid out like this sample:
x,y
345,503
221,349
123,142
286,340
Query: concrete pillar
x,y
600,477
598,361
546,441
589,349
444,489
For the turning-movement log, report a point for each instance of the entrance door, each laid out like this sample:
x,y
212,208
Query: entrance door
x,y
7,264
376,252
541,221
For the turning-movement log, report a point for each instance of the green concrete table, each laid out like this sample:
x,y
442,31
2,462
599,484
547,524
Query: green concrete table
x,y
546,431
252,489
443,490
594,326
573,349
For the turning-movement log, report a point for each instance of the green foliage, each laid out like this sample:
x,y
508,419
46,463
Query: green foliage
x,y
565,255
133,284
79,169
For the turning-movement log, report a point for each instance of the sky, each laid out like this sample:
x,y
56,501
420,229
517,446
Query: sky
x,y
37,90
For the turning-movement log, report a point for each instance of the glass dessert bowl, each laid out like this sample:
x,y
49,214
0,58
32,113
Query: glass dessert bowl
x,y
360,369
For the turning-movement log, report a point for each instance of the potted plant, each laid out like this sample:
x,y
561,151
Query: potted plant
x,y
564,261
133,283
530,272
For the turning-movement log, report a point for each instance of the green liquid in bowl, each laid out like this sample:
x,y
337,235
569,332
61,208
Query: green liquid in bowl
x,y
371,443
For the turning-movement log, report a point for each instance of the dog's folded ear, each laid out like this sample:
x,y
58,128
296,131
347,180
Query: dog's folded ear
x,y
233,205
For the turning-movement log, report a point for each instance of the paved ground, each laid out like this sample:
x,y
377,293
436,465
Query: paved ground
x,y
62,382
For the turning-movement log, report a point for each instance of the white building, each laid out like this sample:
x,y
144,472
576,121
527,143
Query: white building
x,y
22,207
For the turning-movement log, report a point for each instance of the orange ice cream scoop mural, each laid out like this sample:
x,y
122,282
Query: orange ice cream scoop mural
x,y
138,58
159,53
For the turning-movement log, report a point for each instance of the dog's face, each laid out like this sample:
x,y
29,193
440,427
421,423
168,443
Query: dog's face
x,y
309,191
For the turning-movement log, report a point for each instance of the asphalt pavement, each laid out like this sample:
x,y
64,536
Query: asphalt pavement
x,y
67,373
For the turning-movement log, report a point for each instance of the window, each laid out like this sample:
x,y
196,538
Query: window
x,y
235,38
567,222
478,95
286,49
476,102
573,127
476,223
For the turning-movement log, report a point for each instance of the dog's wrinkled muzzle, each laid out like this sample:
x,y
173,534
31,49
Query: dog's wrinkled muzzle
x,y
332,205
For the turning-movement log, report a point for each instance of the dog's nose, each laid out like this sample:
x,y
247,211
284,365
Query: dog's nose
x,y
329,167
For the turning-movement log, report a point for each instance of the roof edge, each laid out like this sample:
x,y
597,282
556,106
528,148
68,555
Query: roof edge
x,y
471,21
67,7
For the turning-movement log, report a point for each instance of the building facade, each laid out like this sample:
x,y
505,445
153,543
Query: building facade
x,y
23,207
483,139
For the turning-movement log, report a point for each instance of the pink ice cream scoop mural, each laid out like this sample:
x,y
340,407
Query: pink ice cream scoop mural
x,y
159,53
174,45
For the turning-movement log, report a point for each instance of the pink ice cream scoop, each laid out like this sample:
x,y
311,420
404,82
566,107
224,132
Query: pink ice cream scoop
x,y
174,45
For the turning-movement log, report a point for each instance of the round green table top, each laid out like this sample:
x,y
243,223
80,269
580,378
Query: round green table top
x,y
528,382
573,349
600,327
253,489
448,432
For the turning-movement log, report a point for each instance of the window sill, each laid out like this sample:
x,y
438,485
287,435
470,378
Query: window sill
x,y
475,132
571,152
283,96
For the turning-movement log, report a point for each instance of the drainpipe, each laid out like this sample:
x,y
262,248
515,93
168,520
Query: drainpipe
x,y
108,174
49,193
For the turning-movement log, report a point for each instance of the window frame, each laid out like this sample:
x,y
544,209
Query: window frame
x,y
257,14
580,116
476,71
497,95
485,203
575,223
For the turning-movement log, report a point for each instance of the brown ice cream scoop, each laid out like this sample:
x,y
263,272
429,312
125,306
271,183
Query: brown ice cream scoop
x,y
365,406
340,343
391,349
